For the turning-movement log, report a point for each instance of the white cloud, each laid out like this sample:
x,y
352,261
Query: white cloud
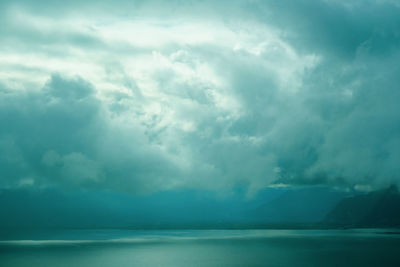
x,y
176,100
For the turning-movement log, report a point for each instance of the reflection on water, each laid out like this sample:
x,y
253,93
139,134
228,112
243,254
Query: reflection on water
x,y
204,248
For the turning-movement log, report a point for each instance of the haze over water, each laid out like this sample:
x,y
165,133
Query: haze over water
x,y
366,247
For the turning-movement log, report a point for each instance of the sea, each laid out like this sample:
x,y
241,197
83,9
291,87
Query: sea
x,y
287,248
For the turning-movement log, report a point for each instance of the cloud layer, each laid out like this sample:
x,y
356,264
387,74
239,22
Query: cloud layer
x,y
143,97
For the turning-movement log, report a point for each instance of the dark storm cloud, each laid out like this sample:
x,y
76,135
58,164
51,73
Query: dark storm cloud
x,y
352,93
60,135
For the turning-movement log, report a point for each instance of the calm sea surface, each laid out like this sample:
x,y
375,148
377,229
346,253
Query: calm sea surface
x,y
366,247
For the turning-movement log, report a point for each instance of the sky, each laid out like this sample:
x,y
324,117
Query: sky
x,y
140,97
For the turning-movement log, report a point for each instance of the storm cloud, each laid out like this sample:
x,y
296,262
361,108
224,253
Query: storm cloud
x,y
140,96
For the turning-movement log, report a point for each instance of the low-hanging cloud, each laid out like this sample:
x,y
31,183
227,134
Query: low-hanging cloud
x,y
268,93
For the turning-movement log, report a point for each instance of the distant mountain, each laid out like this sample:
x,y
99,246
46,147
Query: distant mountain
x,y
51,208
271,207
306,205
375,209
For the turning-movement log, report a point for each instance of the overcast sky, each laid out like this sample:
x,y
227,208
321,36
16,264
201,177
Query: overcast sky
x,y
147,96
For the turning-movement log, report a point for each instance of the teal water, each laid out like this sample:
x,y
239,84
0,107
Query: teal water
x,y
367,247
